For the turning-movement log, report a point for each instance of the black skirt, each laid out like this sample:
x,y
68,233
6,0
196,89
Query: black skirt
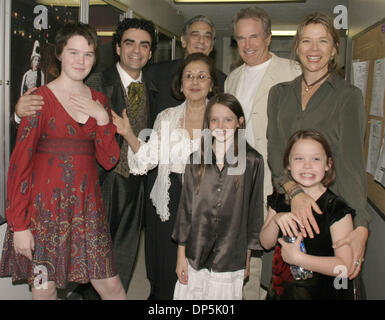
x,y
160,249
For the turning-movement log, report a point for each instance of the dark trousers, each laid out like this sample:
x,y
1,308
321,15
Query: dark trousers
x,y
160,249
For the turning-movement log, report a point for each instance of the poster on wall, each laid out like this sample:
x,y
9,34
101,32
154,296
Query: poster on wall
x,y
34,77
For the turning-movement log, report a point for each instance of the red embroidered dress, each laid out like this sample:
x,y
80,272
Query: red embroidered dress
x,y
53,189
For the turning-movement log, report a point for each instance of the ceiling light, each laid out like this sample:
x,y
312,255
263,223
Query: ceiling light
x,y
69,3
105,33
284,33
218,1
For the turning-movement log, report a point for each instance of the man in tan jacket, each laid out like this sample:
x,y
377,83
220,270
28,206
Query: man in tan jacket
x,y
251,83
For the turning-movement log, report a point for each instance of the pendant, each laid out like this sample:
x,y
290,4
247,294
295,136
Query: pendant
x,y
307,89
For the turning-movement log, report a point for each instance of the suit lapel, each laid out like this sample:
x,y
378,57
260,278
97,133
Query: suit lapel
x,y
151,90
113,88
267,81
237,82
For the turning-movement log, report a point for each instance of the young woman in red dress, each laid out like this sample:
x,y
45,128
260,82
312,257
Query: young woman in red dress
x,y
57,230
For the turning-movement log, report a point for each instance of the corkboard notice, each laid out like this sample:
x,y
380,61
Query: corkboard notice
x,y
369,52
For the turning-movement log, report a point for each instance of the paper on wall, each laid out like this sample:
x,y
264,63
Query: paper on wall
x,y
377,101
360,75
380,171
374,146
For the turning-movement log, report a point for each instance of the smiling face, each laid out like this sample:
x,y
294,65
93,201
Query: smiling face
x,y
77,58
196,81
223,122
308,163
134,51
253,47
199,38
316,49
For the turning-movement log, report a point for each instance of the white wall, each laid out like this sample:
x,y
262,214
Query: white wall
x,y
364,13
159,12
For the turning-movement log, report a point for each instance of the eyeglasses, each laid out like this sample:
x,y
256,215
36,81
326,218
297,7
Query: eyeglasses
x,y
201,77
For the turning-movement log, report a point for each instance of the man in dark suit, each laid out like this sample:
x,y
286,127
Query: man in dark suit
x,y
198,35
123,193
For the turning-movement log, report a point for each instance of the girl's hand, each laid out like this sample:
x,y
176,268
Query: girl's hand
x,y
357,242
291,251
91,108
288,223
123,126
247,269
182,271
301,206
24,243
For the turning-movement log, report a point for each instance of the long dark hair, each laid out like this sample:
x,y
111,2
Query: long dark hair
x,y
311,134
234,105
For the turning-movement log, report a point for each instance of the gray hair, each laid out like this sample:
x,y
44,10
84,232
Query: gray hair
x,y
198,18
254,13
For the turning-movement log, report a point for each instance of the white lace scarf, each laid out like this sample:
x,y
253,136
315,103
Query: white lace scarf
x,y
160,192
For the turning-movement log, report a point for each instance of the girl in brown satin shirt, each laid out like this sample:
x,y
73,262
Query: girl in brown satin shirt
x,y
220,210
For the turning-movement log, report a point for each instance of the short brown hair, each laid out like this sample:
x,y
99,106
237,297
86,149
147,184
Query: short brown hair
x,y
256,14
311,134
74,29
327,22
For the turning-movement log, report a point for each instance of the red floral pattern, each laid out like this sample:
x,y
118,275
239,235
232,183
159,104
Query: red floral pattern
x,y
53,190
281,273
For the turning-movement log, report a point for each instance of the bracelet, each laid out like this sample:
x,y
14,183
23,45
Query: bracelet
x,y
294,191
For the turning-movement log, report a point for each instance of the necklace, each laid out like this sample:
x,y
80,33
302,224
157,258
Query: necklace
x,y
309,86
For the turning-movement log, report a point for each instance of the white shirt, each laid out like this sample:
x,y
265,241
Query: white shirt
x,y
125,77
251,81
